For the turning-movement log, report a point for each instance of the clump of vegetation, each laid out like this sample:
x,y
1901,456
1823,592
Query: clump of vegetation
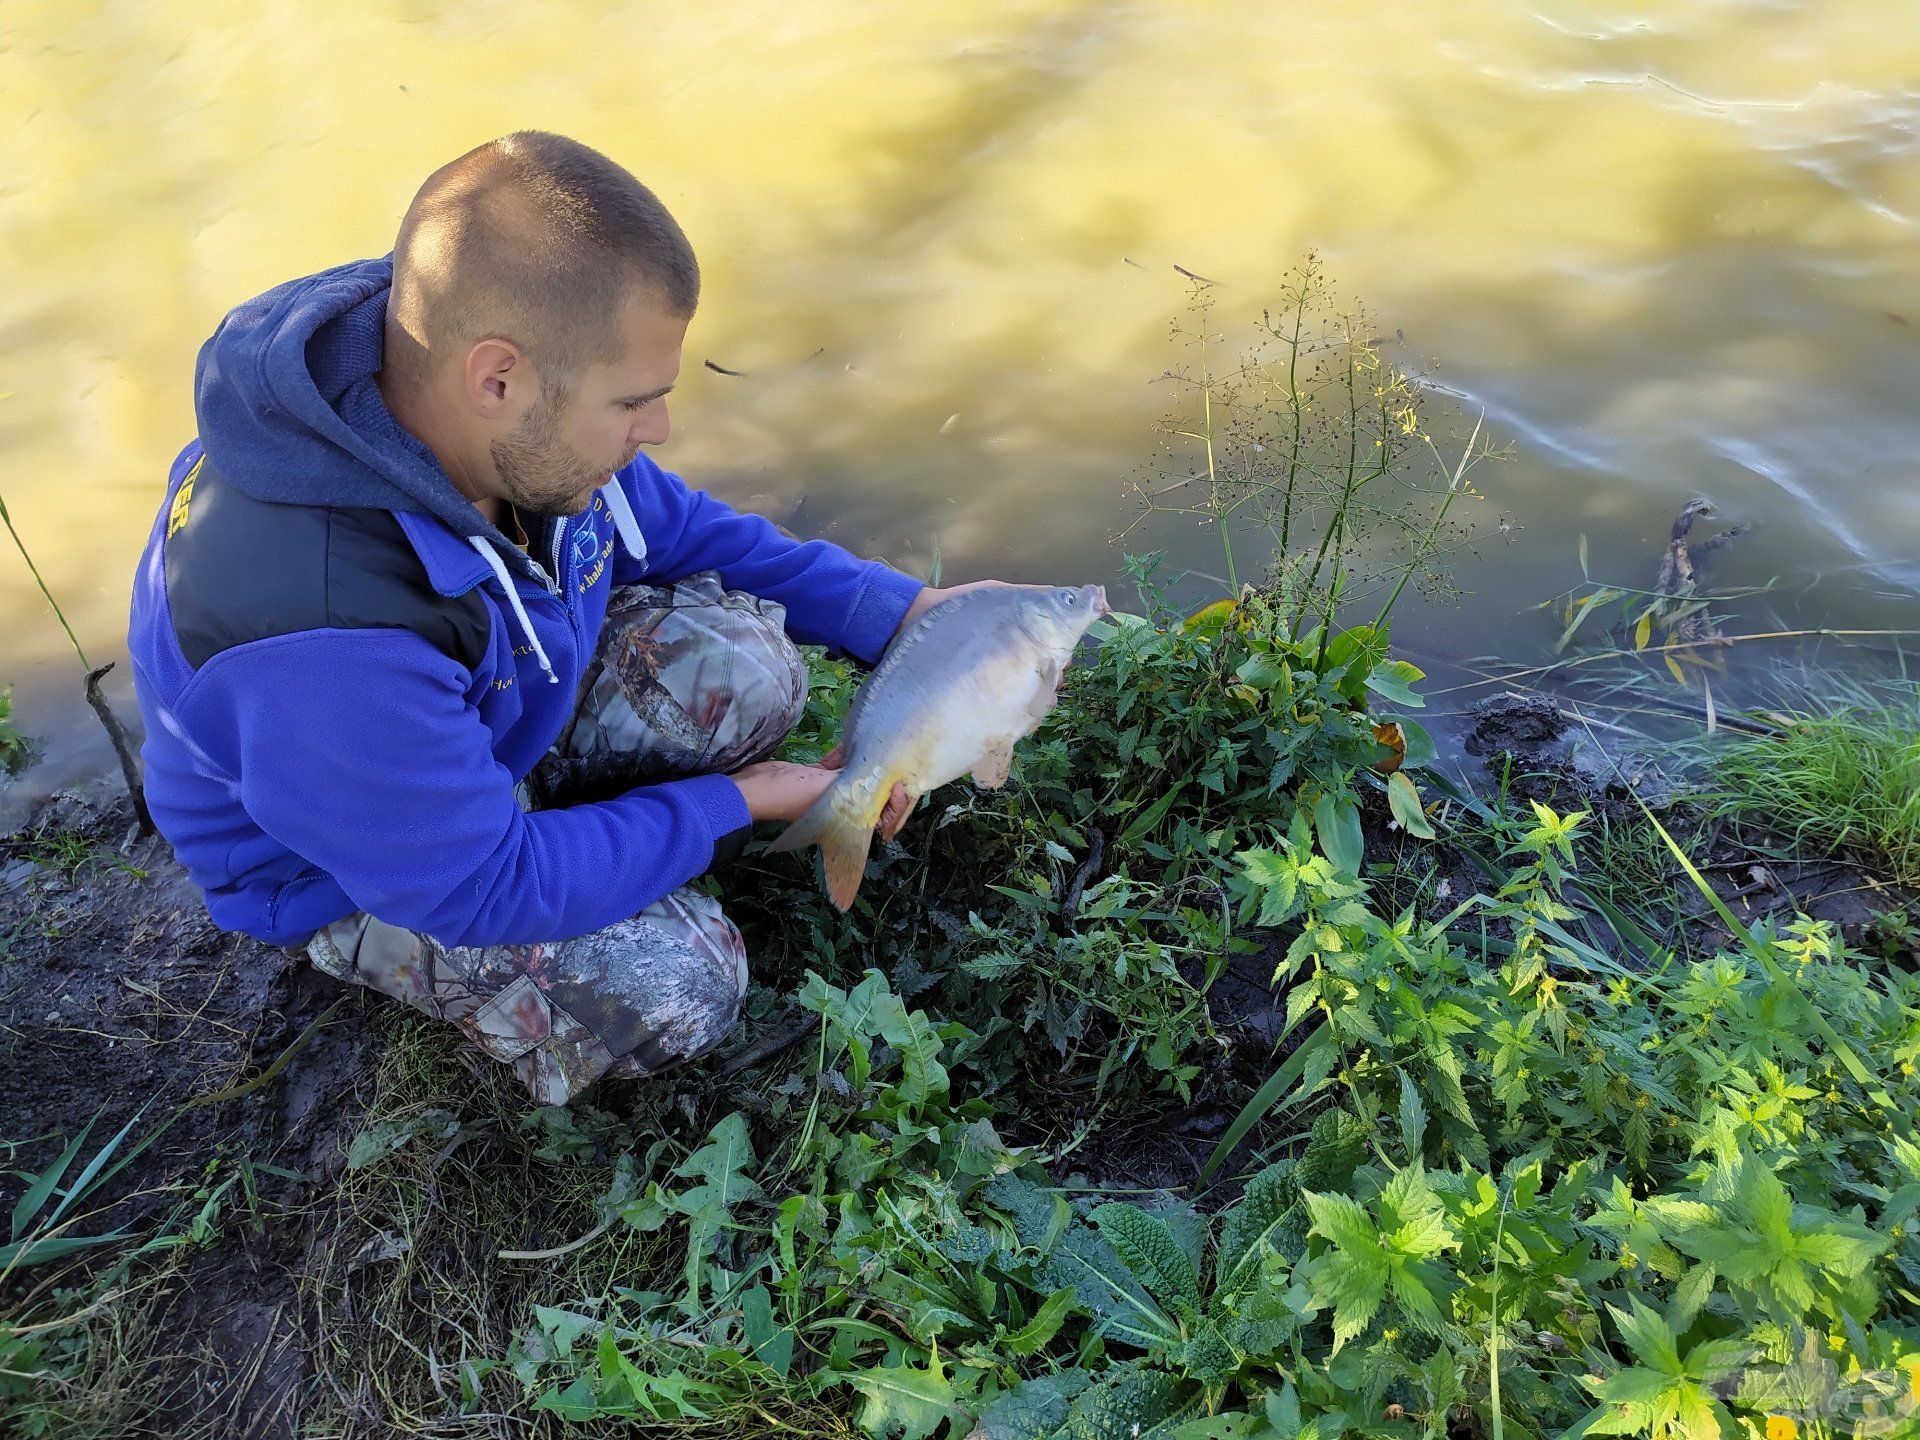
x,y
16,749
1839,778
1543,1190
116,732
1314,445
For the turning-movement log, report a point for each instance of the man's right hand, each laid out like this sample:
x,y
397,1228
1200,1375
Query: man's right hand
x,y
781,790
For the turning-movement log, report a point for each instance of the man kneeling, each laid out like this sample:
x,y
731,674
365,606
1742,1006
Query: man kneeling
x,y
446,681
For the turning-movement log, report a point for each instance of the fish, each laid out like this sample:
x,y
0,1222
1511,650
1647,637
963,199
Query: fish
x,y
953,694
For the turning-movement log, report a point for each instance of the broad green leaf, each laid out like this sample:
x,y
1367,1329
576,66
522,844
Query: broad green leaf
x,y
1130,1402
1336,821
1144,823
1418,1220
721,1166
1250,1223
1239,1425
1104,1283
1413,1119
1150,1251
1648,1336
901,1400
770,1341
1352,1276
1032,1337
1395,680
563,1328
1404,800
1033,1409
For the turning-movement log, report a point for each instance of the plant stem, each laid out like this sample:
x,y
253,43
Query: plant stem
x,y
116,732
58,614
1426,541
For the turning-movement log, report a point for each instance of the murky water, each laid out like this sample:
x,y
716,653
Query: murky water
x,y
1669,247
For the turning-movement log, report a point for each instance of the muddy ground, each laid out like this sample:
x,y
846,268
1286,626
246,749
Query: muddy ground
x,y
118,997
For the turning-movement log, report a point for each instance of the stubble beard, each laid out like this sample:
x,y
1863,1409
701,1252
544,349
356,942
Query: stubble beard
x,y
540,474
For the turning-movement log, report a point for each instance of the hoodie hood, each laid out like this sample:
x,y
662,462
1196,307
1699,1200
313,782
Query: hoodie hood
x,y
289,412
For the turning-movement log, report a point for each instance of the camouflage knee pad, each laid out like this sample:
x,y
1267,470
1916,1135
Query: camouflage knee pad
x,y
634,998
687,679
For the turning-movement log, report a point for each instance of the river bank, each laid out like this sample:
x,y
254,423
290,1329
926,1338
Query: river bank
x,y
359,1237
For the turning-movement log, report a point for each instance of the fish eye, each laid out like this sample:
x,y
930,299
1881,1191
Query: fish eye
x,y
1069,597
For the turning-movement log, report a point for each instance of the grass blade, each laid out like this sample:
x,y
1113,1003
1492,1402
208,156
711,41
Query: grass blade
x,y
1264,1100
22,1253
43,1186
84,1182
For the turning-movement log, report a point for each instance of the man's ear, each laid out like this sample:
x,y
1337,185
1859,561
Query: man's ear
x,y
494,376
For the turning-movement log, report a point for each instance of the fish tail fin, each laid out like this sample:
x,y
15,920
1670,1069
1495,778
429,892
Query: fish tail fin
x,y
841,823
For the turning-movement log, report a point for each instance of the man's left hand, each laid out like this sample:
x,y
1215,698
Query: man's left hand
x,y
932,596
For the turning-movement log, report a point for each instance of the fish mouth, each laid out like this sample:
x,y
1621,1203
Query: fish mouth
x,y
1100,606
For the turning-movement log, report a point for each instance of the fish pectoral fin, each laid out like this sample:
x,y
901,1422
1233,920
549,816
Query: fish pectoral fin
x,y
1048,693
990,770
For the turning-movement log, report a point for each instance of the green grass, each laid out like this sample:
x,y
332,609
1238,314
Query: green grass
x,y
1841,777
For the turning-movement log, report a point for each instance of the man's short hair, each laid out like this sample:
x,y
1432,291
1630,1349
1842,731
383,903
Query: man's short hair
x,y
537,239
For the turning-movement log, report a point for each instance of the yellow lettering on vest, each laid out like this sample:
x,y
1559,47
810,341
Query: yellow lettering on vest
x,y
182,500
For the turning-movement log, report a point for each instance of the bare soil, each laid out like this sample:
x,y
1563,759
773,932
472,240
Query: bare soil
x,y
120,998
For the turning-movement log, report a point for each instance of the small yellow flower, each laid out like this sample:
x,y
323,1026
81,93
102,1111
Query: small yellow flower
x,y
1782,1427
1906,1068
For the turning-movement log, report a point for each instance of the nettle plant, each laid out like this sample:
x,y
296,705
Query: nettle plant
x,y
1543,1194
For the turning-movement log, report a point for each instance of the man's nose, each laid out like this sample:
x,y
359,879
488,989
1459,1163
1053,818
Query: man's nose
x,y
653,427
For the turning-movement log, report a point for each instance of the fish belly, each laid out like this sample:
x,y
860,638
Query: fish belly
x,y
990,705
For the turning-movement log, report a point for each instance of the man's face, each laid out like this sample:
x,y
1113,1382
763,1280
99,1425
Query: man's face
x,y
561,453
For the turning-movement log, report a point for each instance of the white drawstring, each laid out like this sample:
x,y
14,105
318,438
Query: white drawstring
x,y
499,567
624,521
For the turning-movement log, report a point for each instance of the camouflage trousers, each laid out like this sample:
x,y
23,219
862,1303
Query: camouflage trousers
x,y
686,679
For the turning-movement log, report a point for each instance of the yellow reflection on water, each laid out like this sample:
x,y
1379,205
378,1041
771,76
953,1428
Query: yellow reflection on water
x,y
1669,245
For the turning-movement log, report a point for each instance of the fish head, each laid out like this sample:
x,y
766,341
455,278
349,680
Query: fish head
x,y
1059,615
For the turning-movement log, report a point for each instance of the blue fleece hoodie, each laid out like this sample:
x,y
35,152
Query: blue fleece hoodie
x,y
303,776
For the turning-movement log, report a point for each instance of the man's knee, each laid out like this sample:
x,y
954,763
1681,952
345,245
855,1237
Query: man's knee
x,y
690,678
658,989
634,998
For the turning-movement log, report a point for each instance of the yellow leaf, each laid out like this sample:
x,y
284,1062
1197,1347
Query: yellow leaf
x,y
1643,632
1674,666
1394,739
1211,619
